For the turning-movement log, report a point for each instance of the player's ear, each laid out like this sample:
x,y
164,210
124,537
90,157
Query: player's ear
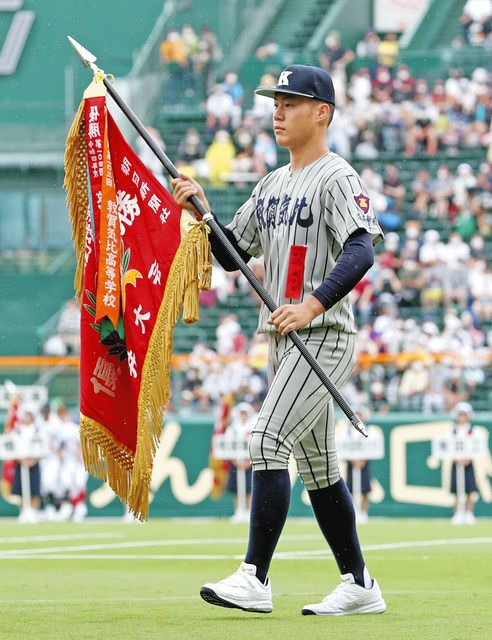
x,y
324,113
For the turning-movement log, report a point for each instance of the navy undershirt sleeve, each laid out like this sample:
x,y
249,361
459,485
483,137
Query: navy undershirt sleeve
x,y
223,258
357,258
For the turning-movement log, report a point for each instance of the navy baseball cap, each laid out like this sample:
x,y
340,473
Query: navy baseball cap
x,y
302,80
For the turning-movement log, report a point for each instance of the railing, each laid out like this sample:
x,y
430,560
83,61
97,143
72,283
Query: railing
x,y
365,360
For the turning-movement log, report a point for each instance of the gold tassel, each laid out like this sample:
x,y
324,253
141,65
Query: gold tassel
x,y
75,184
189,268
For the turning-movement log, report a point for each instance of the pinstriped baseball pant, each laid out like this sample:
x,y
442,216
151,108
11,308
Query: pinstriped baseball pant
x,y
298,415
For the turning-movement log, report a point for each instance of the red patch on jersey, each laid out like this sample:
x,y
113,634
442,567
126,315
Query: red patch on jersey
x,y
362,201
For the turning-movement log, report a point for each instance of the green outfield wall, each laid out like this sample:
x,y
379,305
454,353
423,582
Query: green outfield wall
x,y
407,482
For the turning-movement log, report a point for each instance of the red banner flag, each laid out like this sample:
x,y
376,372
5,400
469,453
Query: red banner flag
x,y
143,260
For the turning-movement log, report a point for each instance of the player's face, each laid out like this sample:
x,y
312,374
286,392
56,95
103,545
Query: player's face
x,y
294,120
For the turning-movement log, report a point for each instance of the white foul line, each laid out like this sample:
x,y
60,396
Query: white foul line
x,y
284,555
146,543
61,536
53,553
106,601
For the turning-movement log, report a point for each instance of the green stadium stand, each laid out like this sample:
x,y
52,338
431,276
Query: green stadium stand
x,y
439,26
296,22
36,112
28,301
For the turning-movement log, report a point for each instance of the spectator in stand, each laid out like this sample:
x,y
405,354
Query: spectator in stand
x,y
412,282
441,191
433,401
208,52
387,281
387,52
227,332
234,88
69,327
264,153
455,258
422,136
393,187
219,156
340,132
360,88
191,148
480,282
389,258
432,251
191,155
413,385
421,190
220,109
243,162
333,54
374,183
173,55
362,299
191,45
367,147
477,21
263,107
368,46
403,84
463,182
382,84
334,59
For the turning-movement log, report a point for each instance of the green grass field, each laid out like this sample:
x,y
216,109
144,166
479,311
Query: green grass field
x,y
104,580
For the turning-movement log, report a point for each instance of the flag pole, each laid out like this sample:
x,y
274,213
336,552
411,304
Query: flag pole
x,y
89,61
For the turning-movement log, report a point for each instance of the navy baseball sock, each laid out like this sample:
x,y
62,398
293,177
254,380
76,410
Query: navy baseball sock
x,y
334,511
270,498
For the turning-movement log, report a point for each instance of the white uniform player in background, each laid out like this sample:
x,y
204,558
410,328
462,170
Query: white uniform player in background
x,y
73,476
243,419
48,424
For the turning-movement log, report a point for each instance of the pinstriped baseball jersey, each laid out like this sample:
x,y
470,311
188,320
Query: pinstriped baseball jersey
x,y
319,206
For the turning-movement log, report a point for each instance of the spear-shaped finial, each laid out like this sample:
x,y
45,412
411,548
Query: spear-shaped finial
x,y
88,59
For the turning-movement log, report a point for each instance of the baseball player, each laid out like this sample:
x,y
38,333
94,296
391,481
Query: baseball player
x,y
463,415
313,222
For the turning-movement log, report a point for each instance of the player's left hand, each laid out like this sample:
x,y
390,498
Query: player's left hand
x,y
290,317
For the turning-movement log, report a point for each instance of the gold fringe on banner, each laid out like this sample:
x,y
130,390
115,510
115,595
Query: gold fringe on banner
x,y
190,270
75,184
104,457
129,476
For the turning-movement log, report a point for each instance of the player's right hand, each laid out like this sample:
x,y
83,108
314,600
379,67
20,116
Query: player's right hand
x,y
185,187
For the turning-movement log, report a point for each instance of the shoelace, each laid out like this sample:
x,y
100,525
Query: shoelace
x,y
234,579
338,589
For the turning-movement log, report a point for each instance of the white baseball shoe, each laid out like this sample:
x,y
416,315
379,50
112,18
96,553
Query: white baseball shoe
x,y
348,599
241,590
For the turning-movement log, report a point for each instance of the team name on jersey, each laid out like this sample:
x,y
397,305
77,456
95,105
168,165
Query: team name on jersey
x,y
291,212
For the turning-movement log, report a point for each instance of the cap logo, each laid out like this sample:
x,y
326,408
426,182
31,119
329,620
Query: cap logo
x,y
284,78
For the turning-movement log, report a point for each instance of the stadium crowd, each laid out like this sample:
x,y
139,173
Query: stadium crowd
x,y
379,108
